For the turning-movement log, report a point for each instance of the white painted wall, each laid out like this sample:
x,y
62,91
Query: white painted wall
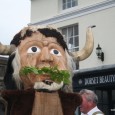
x,y
88,2
103,34
43,9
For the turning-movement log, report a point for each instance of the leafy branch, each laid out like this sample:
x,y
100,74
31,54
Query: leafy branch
x,y
55,74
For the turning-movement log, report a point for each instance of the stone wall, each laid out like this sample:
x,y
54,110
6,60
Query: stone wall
x,y
3,63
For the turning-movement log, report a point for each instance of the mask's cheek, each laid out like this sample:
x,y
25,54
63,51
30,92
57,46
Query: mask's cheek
x,y
28,60
61,63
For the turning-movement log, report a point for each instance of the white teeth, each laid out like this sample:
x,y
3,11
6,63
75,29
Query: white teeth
x,y
48,82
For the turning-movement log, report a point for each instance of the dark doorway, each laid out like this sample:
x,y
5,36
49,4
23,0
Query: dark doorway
x,y
106,98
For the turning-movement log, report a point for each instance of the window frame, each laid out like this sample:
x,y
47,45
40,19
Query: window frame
x,y
74,37
66,4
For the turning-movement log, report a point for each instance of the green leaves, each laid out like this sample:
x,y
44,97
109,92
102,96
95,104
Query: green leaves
x,y
55,74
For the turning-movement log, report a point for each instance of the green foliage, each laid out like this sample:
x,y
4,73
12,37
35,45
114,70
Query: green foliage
x,y
55,74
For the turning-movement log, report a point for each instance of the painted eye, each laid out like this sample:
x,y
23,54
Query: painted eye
x,y
34,49
55,52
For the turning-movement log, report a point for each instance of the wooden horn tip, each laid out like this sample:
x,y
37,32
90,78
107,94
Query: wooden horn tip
x,y
93,26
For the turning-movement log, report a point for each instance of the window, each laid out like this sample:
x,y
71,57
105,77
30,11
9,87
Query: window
x,y
69,4
71,37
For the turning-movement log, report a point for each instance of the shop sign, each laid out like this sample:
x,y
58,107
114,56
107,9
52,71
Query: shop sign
x,y
94,80
99,80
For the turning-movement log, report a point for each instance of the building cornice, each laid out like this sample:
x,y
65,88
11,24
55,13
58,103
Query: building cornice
x,y
96,69
77,13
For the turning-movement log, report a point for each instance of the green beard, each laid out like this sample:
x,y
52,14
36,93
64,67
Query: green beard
x,y
55,74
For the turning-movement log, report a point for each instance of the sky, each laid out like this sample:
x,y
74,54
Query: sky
x,y
14,15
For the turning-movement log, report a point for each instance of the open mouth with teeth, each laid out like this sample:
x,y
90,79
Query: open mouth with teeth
x,y
48,82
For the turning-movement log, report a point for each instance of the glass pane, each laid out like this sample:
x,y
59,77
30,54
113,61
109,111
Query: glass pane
x,y
69,5
64,6
64,1
76,30
76,41
74,3
64,33
71,41
69,1
70,31
70,46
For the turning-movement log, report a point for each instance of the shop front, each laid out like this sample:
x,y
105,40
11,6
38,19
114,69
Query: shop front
x,y
102,81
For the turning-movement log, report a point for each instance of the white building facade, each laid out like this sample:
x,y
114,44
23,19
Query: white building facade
x,y
86,12
72,17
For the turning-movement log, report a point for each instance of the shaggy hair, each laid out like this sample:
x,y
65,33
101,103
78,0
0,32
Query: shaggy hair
x,y
16,65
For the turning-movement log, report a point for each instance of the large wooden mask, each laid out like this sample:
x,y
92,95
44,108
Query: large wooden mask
x,y
43,47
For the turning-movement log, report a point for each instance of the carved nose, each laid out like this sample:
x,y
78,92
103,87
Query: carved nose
x,y
45,55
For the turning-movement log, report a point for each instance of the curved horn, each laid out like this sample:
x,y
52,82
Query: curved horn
x,y
88,48
6,49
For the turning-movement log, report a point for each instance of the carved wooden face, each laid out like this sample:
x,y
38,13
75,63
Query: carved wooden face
x,y
40,51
